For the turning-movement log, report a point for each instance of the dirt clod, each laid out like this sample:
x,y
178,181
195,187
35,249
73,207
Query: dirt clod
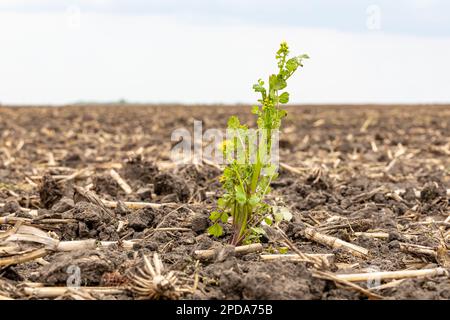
x,y
168,184
63,205
88,266
94,222
141,219
431,191
11,206
200,223
49,192
104,184
139,170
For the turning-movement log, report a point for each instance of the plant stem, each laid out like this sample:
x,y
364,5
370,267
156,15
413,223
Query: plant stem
x,y
243,224
255,177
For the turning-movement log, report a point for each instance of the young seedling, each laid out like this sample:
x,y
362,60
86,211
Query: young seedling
x,y
246,179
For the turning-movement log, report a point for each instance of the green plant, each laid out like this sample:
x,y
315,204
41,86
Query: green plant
x,y
246,179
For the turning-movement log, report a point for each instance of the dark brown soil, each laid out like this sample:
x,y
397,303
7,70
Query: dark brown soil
x,y
357,169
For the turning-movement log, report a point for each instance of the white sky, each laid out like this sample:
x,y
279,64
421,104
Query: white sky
x,y
67,51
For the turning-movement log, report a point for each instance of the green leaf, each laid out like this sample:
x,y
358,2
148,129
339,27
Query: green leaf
x,y
255,110
278,217
281,84
284,97
254,200
241,197
260,122
215,215
270,170
287,215
282,113
221,203
258,230
224,217
252,238
300,59
292,64
283,250
268,221
276,83
272,80
302,56
259,87
215,230
234,123
281,213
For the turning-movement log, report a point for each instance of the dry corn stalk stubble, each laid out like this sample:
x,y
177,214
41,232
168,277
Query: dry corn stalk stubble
x,y
152,281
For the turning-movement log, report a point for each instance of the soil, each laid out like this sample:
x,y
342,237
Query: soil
x,y
351,170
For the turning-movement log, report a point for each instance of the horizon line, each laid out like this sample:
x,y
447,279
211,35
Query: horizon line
x,y
217,104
